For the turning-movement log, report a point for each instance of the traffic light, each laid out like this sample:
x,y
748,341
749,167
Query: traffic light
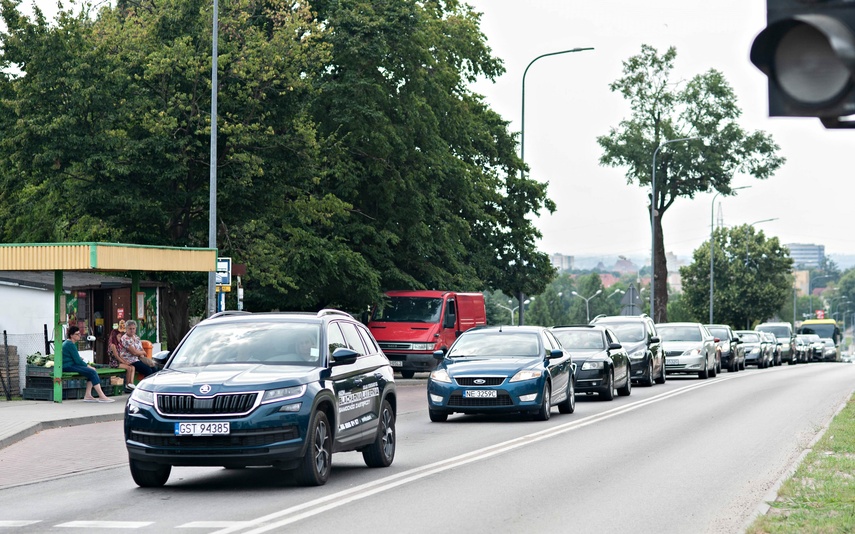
x,y
808,52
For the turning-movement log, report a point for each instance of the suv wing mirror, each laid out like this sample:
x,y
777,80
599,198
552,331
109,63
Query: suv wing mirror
x,y
655,339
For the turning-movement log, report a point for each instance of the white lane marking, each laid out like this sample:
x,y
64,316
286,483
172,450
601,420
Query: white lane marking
x,y
18,523
106,524
214,524
320,505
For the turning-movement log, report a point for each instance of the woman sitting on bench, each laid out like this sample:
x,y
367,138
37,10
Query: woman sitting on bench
x,y
73,363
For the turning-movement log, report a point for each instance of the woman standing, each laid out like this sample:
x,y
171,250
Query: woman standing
x,y
73,363
131,349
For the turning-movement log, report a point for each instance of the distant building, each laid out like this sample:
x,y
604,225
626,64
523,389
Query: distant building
x,y
561,262
624,265
805,255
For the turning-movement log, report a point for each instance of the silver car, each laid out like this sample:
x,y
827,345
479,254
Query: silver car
x,y
689,348
756,352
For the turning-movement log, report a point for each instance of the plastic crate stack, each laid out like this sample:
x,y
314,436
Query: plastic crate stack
x,y
40,385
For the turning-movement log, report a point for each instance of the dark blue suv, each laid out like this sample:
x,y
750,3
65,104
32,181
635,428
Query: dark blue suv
x,y
264,389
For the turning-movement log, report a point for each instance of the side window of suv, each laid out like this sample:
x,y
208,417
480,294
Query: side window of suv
x,y
368,339
354,341
335,338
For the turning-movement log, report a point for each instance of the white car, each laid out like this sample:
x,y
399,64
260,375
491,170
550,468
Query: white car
x,y
689,348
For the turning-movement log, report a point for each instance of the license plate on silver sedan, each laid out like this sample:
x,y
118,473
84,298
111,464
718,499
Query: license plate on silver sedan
x,y
479,393
672,361
202,429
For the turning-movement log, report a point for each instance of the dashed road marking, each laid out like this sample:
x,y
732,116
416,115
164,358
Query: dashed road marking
x,y
106,524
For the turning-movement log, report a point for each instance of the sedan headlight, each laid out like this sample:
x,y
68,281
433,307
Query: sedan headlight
x,y
692,352
592,365
280,394
142,396
422,346
526,374
440,375
725,347
755,350
637,355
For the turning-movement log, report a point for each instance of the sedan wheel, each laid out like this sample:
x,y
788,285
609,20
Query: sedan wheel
x,y
437,417
626,390
609,388
648,381
545,405
705,373
569,404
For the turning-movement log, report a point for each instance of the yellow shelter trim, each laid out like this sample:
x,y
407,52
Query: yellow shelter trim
x,y
105,257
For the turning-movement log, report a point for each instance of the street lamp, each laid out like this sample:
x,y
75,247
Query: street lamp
x,y
712,245
587,307
653,224
764,220
212,199
522,123
509,309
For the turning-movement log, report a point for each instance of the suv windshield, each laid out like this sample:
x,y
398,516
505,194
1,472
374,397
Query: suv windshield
x,y
409,310
278,343
628,332
495,345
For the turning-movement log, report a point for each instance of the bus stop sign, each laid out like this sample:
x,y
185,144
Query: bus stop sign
x,y
224,272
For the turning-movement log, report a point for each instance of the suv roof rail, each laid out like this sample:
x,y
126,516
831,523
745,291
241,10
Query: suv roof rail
x,y
225,313
600,316
575,325
331,311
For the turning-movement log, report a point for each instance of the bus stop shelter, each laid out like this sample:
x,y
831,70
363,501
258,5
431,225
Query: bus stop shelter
x,y
99,257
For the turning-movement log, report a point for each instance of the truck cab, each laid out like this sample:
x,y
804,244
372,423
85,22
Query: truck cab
x,y
411,325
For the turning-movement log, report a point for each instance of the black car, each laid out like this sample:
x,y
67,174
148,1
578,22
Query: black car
x,y
732,356
264,389
602,363
637,334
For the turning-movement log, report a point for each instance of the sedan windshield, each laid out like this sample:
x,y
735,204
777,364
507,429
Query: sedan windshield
x,y
720,333
580,339
496,345
277,343
679,333
749,337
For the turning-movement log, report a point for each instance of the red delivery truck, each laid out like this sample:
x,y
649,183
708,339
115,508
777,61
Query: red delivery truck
x,y
411,325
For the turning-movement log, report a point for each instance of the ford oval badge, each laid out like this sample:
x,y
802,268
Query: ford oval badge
x,y
206,388
479,381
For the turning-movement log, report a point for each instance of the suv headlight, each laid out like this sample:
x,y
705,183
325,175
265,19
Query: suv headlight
x,y
280,394
440,375
592,365
526,374
142,396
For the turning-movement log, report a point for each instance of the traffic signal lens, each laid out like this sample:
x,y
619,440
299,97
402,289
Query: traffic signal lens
x,y
807,68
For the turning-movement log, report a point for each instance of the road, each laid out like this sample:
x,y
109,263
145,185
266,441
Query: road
x,y
687,456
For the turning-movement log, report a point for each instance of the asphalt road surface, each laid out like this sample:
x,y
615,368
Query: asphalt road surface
x,y
688,456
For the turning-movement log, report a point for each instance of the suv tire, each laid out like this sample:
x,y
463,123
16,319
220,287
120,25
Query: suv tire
x,y
315,467
149,475
382,451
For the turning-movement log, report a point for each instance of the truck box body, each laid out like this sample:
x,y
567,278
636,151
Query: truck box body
x,y
411,325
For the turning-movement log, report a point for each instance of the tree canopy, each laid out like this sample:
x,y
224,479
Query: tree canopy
x,y
352,156
751,275
705,108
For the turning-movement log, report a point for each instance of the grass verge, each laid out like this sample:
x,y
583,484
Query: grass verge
x,y
820,496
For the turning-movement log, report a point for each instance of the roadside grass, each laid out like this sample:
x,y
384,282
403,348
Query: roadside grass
x,y
820,496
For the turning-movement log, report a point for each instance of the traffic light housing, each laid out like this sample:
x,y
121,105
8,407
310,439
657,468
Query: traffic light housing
x,y
808,53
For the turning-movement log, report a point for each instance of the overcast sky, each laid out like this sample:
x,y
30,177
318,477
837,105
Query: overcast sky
x,y
568,104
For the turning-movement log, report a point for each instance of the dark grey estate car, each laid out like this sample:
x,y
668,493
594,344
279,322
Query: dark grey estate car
x,y
637,334
731,353
602,364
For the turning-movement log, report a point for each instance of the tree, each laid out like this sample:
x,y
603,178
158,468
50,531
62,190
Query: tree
x,y
752,277
662,110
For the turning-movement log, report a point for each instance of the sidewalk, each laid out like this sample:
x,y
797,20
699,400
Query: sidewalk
x,y
20,419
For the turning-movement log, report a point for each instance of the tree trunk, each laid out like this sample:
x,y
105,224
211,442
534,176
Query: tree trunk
x,y
660,274
176,313
521,299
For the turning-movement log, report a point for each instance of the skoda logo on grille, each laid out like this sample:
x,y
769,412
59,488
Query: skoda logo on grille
x,y
206,388
479,381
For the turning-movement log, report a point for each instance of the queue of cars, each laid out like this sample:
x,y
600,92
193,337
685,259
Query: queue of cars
x,y
290,389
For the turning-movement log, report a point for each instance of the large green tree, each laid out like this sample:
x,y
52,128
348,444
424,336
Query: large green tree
x,y
751,274
662,109
352,156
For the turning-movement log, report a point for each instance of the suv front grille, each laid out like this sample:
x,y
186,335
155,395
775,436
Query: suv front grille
x,y
224,404
243,438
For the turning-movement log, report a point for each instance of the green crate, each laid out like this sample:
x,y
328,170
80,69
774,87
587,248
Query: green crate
x,y
47,394
37,370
